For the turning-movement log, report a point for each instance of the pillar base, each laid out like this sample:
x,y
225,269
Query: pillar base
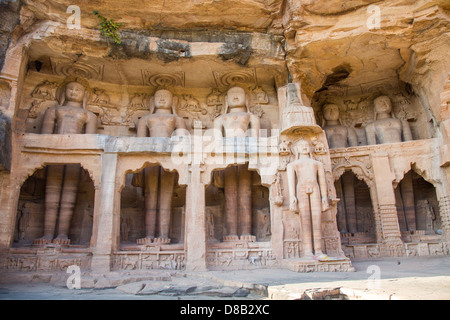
x,y
392,248
101,263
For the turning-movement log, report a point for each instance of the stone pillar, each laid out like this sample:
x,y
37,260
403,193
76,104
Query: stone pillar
x,y
104,236
444,210
195,236
8,201
348,190
406,195
392,244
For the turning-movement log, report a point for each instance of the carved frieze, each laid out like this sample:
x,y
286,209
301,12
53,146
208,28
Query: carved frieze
x,y
66,68
149,78
234,77
46,90
155,260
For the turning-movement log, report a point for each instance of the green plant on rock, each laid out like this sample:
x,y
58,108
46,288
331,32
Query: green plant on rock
x,y
109,28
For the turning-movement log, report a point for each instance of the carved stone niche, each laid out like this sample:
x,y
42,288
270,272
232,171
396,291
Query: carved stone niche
x,y
296,118
31,223
152,217
310,155
357,111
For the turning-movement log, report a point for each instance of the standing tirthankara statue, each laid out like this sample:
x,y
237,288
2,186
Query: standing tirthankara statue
x,y
338,135
386,128
308,196
162,121
69,117
236,122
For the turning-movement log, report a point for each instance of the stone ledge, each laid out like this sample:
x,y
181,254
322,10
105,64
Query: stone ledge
x,y
303,265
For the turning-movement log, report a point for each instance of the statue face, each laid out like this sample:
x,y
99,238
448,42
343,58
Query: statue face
x,y
236,97
303,148
382,104
74,91
163,99
331,112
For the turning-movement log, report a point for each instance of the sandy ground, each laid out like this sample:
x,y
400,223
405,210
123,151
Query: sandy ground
x,y
424,278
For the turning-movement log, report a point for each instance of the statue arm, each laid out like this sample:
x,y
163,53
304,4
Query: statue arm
x,y
255,125
322,180
91,124
323,186
218,126
290,172
141,128
48,123
370,134
180,126
352,138
407,135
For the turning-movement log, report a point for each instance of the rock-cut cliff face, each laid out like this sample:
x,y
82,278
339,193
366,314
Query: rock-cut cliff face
x,y
350,43
323,45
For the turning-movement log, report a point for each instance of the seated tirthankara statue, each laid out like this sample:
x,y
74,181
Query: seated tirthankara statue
x,y
69,117
308,196
158,183
237,179
338,135
386,128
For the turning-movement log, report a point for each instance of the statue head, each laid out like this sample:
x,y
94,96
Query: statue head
x,y
236,98
330,112
75,90
163,100
382,104
302,148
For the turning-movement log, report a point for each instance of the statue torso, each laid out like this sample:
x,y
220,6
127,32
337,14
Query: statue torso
x,y
388,130
161,125
306,171
238,121
337,136
70,119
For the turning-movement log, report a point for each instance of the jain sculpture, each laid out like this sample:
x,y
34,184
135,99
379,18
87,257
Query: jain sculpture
x,y
162,121
69,117
308,196
237,122
386,128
